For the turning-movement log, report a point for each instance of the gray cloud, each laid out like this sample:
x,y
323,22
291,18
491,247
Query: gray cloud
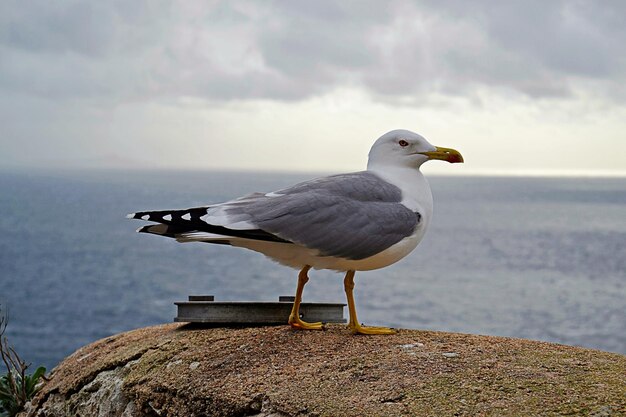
x,y
295,49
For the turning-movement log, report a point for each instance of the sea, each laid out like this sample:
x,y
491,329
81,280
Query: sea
x,y
526,257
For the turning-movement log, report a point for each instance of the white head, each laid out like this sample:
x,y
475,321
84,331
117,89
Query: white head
x,y
403,148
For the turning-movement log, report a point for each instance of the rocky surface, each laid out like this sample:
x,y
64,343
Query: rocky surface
x,y
176,370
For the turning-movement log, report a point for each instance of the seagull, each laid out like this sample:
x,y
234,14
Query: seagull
x,y
350,222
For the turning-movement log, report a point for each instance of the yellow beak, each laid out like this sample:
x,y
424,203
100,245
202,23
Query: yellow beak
x,y
445,154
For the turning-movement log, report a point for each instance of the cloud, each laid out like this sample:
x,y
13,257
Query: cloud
x,y
295,50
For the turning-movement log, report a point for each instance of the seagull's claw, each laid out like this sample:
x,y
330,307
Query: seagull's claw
x,y
359,329
297,323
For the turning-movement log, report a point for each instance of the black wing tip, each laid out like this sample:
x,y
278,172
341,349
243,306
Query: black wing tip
x,y
140,215
169,216
174,222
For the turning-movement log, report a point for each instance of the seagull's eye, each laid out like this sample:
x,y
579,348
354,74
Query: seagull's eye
x,y
403,143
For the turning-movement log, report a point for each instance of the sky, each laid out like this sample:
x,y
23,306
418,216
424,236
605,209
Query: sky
x,y
518,87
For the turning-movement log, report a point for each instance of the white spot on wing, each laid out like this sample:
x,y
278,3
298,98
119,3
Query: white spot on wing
x,y
145,217
130,216
168,217
187,216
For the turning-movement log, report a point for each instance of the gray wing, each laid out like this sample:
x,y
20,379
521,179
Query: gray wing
x,y
353,216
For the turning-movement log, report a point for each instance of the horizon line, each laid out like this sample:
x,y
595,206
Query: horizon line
x,y
471,173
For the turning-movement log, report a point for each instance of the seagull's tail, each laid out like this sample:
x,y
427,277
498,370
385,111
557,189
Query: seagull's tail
x,y
182,225
188,226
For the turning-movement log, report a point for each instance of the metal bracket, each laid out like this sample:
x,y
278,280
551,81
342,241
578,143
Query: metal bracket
x,y
203,309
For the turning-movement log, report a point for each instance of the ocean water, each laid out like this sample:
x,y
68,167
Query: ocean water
x,y
537,258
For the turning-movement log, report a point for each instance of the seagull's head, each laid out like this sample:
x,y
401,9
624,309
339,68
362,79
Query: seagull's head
x,y
406,148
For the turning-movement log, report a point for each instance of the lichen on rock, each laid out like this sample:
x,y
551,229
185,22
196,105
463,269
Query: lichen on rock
x,y
181,370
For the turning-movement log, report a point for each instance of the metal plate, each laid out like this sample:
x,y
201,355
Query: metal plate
x,y
254,312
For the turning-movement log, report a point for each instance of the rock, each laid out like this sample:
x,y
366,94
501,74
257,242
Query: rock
x,y
181,370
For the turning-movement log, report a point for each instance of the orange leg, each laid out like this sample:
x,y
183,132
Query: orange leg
x,y
294,317
354,325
